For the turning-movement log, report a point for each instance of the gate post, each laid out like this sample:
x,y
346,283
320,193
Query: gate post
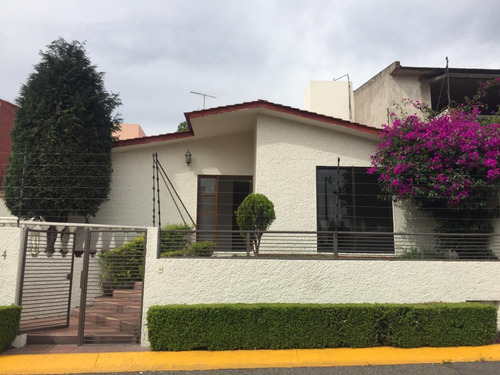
x,y
12,245
83,286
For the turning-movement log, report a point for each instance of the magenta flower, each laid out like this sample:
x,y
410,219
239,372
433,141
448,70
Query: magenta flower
x,y
442,158
490,163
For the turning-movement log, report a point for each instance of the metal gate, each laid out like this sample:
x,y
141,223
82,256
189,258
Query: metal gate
x,y
46,279
110,308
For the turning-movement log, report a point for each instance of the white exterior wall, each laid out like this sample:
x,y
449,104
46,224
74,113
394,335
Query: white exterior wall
x,y
191,281
4,211
331,98
287,155
257,280
381,95
11,255
131,198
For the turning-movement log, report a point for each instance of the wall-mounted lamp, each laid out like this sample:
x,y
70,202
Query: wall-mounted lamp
x,y
188,157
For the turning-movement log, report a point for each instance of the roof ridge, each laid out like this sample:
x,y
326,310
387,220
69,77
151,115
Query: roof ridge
x,y
255,104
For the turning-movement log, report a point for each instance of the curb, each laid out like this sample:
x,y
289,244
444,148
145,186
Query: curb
x,y
38,364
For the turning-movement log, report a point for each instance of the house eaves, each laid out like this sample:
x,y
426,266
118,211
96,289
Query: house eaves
x,y
258,107
435,74
265,107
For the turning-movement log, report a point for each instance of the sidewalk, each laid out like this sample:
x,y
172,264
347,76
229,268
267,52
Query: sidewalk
x,y
135,358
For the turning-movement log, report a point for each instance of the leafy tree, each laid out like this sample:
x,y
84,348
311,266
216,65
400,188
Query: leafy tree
x,y
447,165
255,213
62,138
182,127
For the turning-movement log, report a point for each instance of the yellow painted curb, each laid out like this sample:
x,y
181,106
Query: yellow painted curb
x,y
205,360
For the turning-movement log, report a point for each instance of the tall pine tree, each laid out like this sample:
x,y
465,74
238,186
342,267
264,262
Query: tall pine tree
x,y
62,138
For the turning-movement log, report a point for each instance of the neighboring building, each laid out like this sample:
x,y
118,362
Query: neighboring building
x,y
331,98
129,131
7,116
374,101
377,98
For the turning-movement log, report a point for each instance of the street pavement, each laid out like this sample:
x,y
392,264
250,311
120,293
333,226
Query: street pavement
x,y
470,368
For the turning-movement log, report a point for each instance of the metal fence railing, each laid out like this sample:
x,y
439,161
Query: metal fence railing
x,y
330,245
110,306
46,276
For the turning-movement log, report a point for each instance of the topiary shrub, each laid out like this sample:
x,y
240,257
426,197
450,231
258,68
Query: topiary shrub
x,y
255,214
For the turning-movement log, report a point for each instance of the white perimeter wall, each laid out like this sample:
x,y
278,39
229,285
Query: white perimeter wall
x,y
11,241
287,154
257,280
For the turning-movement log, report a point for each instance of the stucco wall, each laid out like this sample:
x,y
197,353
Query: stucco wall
x,y
381,95
131,198
257,280
287,154
4,211
11,240
330,98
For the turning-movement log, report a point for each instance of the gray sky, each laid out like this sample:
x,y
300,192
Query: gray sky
x,y
154,52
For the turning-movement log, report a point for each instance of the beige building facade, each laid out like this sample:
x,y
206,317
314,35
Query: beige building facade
x,y
384,94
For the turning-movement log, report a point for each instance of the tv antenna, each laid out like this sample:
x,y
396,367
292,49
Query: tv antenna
x,y
204,96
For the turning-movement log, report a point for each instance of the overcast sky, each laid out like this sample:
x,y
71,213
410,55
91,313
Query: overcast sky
x,y
154,52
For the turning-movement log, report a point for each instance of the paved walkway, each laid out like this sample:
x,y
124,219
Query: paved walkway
x,y
69,359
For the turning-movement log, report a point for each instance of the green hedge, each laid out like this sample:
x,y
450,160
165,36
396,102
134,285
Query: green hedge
x,y
174,238
439,324
284,326
9,325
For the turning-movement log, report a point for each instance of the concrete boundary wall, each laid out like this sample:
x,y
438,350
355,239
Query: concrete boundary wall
x,y
11,256
257,280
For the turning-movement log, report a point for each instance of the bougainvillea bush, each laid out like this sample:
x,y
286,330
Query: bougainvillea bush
x,y
447,165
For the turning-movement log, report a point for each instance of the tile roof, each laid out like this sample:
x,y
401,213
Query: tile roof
x,y
258,104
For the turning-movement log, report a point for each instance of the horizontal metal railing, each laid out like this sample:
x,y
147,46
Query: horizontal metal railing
x,y
46,280
110,305
330,244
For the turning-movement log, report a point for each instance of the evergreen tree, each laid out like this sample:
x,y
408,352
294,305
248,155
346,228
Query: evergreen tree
x,y
182,127
62,138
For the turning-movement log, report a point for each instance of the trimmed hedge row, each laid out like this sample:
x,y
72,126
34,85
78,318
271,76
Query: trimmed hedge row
x,y
9,325
285,326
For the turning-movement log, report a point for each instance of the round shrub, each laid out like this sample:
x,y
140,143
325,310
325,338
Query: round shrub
x,y
255,214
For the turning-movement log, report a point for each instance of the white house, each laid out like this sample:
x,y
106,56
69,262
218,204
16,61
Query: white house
x,y
310,163
298,159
